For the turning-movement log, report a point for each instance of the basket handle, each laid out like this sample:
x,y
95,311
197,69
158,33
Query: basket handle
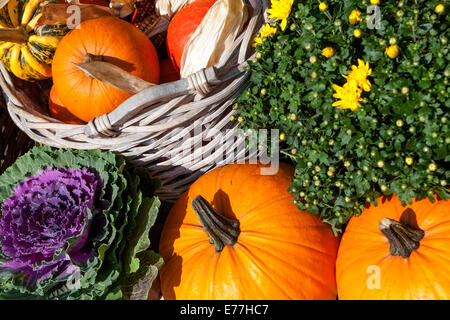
x,y
201,82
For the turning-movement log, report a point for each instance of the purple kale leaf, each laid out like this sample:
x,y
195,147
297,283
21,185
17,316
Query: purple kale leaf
x,y
45,224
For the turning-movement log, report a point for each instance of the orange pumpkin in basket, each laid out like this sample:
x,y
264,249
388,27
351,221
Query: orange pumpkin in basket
x,y
236,234
395,252
182,27
107,39
58,111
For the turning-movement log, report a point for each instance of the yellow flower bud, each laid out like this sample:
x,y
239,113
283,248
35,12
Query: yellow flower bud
x,y
409,161
323,6
439,8
374,2
392,51
357,33
354,17
328,52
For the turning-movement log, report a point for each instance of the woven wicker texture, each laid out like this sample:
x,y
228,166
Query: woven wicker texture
x,y
13,142
158,127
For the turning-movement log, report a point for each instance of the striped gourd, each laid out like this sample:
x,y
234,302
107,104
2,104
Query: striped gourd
x,y
26,49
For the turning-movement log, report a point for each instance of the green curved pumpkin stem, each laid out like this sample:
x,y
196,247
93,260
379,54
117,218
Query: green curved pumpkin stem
x,y
15,35
222,231
403,238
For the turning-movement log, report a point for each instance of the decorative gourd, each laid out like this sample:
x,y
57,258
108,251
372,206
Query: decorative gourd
x,y
264,247
396,252
182,26
58,111
108,39
26,49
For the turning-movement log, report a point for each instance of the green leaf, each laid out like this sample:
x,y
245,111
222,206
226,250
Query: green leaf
x,y
139,283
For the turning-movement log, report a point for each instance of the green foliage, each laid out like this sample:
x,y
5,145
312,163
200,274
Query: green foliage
x,y
123,266
345,159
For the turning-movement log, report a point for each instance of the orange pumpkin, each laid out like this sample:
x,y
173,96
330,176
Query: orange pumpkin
x,y
111,40
396,252
182,27
58,111
264,247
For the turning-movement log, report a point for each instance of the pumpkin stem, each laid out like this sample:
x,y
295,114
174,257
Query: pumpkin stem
x,y
222,231
95,67
16,35
89,57
403,238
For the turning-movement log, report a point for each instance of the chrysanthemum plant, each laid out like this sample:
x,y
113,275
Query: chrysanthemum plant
x,y
75,225
359,91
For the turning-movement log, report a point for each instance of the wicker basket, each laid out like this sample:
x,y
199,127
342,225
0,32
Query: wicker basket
x,y
13,142
153,127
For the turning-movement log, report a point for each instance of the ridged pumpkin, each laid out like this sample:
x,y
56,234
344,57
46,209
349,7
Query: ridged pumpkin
x,y
396,252
26,50
236,234
108,39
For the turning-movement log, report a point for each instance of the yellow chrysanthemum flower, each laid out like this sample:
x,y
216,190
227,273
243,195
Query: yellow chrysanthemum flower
x,y
355,17
323,6
357,33
266,31
374,2
328,52
360,74
392,51
440,8
280,10
349,95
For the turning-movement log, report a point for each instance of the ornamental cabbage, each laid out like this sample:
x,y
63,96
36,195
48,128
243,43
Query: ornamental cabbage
x,y
75,225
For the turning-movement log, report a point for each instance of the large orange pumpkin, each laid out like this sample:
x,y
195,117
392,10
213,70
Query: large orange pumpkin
x,y
252,243
396,252
182,26
111,40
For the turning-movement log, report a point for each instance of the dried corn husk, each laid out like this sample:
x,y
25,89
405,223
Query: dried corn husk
x,y
3,3
215,35
168,8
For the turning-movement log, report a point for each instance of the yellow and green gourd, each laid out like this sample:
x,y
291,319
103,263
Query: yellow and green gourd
x,y
26,49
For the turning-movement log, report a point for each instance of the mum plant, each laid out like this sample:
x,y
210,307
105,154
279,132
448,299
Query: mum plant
x,y
75,225
359,91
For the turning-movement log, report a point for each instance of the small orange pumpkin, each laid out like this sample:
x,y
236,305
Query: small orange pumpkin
x,y
396,252
108,39
182,27
58,111
264,247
